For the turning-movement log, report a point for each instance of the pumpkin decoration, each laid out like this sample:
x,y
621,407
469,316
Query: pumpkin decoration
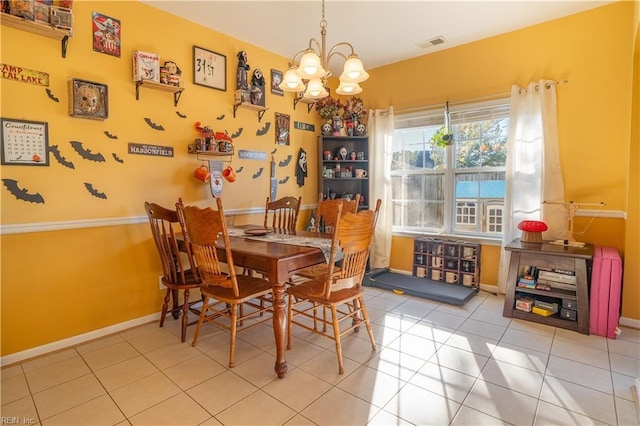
x,y
532,230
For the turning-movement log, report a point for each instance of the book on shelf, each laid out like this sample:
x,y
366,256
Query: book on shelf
x,y
526,282
556,276
557,284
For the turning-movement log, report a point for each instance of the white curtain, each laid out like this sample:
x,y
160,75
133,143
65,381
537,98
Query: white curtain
x,y
533,172
380,126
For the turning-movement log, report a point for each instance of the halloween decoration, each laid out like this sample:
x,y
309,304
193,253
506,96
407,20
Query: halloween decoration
x,y
209,69
24,143
88,99
241,75
22,193
56,154
86,153
301,167
237,134
264,130
285,162
51,96
115,157
153,125
180,115
94,191
106,34
109,135
258,173
283,122
258,88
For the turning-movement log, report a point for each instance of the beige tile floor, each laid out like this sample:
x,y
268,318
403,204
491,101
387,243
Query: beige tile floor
x,y
435,364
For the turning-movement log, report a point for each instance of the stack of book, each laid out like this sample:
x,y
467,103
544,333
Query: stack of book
x,y
527,281
557,279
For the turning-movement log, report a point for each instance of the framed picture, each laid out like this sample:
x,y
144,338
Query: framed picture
x,y
24,143
276,79
209,69
106,34
88,99
283,129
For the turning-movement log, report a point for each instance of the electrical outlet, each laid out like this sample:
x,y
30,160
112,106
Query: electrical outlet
x,y
162,286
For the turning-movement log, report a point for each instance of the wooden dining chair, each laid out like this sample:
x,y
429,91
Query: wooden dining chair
x,y
339,290
178,274
229,298
282,213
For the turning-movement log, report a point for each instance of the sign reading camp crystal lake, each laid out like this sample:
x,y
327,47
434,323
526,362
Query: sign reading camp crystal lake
x,y
153,150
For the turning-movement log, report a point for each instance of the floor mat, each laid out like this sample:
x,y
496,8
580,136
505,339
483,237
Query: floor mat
x,y
421,287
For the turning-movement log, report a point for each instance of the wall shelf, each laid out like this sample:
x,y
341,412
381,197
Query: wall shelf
x,y
246,105
44,30
310,103
177,91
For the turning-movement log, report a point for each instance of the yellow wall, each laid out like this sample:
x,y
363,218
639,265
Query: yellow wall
x,y
76,281
593,51
79,280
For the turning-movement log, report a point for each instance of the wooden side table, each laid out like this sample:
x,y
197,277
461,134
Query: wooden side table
x,y
550,256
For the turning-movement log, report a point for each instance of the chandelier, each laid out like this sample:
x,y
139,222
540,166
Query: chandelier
x,y
314,69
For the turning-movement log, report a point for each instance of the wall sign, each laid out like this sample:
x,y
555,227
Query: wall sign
x,y
24,75
154,150
106,34
24,143
209,69
304,126
88,99
252,155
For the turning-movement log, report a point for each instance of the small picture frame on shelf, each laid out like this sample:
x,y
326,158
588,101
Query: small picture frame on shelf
x,y
88,99
209,69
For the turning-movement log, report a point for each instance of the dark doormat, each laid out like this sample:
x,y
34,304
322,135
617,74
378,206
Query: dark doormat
x,y
440,292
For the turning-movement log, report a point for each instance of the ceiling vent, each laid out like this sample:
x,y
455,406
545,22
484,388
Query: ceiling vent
x,y
436,41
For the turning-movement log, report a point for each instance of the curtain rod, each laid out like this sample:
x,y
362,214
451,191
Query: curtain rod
x,y
467,100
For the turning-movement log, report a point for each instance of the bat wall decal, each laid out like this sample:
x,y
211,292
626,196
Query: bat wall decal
x,y
109,135
237,134
86,153
220,117
51,96
153,125
180,115
285,162
115,157
22,193
56,154
239,170
94,191
284,180
274,151
258,173
264,130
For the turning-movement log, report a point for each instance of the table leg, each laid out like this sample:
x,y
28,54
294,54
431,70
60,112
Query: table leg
x,y
279,328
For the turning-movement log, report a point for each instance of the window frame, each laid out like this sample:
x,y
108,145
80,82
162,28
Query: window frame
x,y
495,108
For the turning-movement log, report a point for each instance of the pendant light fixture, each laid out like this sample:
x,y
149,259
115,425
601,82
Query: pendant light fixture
x,y
311,72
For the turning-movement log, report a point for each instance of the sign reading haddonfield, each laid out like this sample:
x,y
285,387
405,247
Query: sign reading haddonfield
x,y
155,150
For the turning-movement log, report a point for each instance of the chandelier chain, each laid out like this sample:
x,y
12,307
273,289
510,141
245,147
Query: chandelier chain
x,y
323,23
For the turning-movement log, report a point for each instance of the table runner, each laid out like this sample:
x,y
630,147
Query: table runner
x,y
323,244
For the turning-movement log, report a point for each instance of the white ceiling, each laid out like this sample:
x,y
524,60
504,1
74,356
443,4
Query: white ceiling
x,y
381,32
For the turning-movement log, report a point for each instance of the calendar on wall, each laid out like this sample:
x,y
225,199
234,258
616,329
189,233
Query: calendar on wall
x,y
24,143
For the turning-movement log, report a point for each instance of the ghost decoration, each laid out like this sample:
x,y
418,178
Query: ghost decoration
x,y
301,167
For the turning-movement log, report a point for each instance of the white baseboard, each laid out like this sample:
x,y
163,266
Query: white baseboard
x,y
630,322
75,340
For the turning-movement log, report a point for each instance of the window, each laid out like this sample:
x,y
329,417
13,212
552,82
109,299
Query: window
x,y
458,189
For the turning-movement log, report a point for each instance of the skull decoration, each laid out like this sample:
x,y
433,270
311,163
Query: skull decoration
x,y
361,130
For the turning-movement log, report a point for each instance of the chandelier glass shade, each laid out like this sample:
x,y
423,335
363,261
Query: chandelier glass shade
x,y
310,74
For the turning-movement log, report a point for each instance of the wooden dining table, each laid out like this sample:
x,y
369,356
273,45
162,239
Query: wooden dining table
x,y
277,261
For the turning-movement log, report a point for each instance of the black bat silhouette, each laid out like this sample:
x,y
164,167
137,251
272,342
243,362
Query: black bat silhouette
x,y
264,130
86,153
115,157
238,170
181,115
258,173
285,162
220,117
20,193
56,153
94,191
109,135
51,96
237,134
153,125
284,180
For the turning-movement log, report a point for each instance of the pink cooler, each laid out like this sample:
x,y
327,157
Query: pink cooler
x,y
606,282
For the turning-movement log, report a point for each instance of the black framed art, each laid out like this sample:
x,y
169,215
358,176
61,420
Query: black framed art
x,y
24,143
276,79
209,69
88,99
